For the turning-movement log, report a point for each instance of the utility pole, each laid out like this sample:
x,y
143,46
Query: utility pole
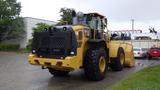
x,y
132,24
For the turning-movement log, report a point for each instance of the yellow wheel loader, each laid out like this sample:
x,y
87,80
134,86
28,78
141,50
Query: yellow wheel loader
x,y
85,44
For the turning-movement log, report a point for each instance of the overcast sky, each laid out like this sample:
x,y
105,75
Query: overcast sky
x,y
119,12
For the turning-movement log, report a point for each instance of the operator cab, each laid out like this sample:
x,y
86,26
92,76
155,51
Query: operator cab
x,y
95,21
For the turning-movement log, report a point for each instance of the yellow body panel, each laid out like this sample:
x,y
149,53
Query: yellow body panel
x,y
113,49
78,27
129,56
69,63
128,51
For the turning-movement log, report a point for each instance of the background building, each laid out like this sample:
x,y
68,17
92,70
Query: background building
x,y
30,23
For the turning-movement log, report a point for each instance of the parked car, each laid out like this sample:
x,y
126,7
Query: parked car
x,y
140,52
153,52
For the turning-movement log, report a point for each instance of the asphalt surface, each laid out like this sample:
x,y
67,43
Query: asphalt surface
x,y
17,74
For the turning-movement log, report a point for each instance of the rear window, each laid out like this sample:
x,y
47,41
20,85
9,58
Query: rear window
x,y
155,48
136,49
144,49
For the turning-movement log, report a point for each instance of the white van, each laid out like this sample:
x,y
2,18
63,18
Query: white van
x,y
140,52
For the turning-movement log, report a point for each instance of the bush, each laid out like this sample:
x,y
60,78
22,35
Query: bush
x,y
29,46
9,47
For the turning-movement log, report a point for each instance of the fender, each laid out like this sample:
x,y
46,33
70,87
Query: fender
x,y
113,50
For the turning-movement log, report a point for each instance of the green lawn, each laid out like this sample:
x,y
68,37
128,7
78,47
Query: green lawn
x,y
146,79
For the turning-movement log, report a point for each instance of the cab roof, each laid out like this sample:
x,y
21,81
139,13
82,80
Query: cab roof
x,y
95,15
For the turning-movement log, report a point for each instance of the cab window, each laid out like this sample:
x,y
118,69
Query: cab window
x,y
79,38
80,35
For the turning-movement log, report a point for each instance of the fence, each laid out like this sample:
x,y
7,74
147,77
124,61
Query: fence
x,y
145,43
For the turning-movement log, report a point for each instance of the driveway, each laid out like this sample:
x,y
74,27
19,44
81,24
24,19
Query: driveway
x,y
17,74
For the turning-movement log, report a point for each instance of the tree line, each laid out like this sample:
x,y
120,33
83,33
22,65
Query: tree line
x,y
11,24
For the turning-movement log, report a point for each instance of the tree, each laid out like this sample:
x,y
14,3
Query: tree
x,y
66,16
40,27
11,25
17,29
152,30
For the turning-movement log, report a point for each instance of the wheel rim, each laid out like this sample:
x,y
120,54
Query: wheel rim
x,y
122,58
102,64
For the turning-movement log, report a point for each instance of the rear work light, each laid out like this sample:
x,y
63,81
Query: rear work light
x,y
33,51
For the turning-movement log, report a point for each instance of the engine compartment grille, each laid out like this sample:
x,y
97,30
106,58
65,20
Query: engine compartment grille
x,y
55,44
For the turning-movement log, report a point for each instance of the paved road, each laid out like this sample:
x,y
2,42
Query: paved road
x,y
17,74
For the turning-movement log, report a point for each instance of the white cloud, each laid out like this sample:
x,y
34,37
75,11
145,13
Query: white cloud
x,y
118,12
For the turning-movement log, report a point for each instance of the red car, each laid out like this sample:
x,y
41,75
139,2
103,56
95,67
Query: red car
x,y
153,52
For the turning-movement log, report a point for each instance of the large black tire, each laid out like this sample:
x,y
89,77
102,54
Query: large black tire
x,y
144,56
58,72
116,64
92,68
